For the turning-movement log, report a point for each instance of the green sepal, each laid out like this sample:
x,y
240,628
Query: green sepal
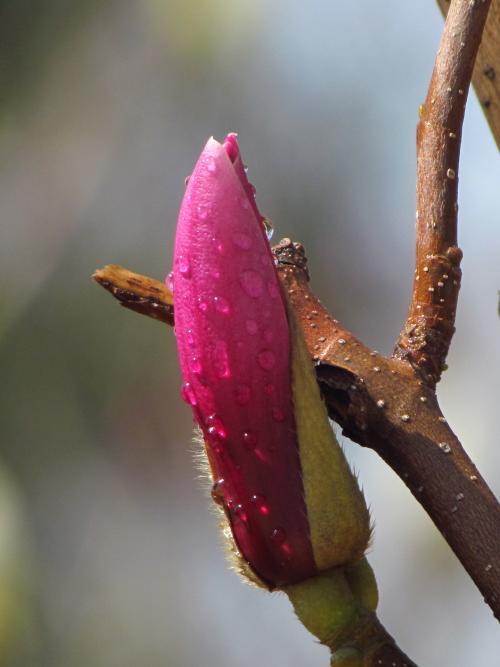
x,y
362,582
338,517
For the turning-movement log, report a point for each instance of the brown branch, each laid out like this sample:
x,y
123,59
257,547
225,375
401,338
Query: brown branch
x,y
429,327
381,403
374,642
486,76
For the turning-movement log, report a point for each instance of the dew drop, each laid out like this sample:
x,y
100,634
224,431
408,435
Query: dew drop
x,y
278,415
250,440
251,327
260,503
278,536
243,394
266,359
244,202
170,281
221,305
202,305
219,246
211,166
202,211
196,366
190,337
215,442
238,511
215,273
268,226
186,180
252,283
184,266
241,240
220,359
216,427
217,492
188,395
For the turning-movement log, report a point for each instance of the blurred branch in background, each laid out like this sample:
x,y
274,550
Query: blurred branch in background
x,y
486,77
18,636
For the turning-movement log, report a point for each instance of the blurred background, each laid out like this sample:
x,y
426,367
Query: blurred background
x,y
109,555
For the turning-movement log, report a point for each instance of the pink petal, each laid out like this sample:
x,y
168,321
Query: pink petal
x,y
233,342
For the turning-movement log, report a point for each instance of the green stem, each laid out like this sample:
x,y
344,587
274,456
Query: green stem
x,y
338,607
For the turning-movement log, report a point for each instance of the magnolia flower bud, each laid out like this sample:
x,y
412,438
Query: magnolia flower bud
x,y
292,503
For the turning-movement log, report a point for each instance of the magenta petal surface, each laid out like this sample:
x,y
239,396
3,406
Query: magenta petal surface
x,y
234,350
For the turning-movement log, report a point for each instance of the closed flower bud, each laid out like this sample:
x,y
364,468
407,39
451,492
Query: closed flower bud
x,y
292,503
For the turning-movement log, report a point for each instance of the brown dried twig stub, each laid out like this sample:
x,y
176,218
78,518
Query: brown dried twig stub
x,y
139,293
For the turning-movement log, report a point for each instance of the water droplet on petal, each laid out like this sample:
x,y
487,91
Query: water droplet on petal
x,y
251,326
238,512
202,305
260,503
268,226
220,359
241,240
190,337
184,266
211,166
202,211
215,273
278,536
186,180
221,305
217,492
249,440
170,281
196,366
215,425
219,246
266,359
188,395
252,283
244,202
278,415
243,394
